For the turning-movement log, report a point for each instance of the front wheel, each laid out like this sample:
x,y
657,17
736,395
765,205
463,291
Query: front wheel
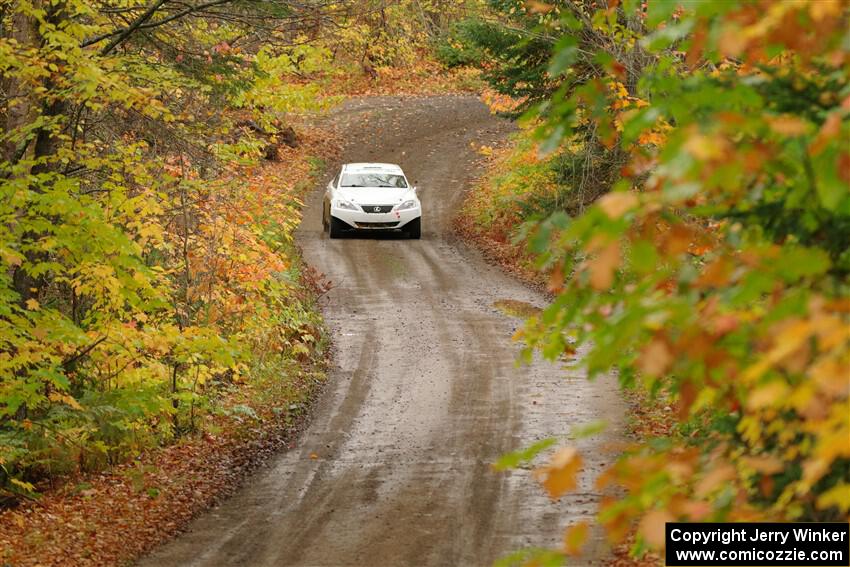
x,y
414,229
336,228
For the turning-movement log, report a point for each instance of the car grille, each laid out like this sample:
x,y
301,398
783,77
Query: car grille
x,y
377,224
377,208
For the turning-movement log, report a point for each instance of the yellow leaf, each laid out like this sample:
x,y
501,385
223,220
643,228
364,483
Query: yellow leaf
x,y
825,9
32,304
706,148
559,476
24,485
838,496
65,399
767,395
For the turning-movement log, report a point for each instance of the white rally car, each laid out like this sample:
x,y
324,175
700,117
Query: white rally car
x,y
371,196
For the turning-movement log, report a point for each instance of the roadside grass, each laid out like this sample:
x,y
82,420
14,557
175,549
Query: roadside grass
x,y
509,194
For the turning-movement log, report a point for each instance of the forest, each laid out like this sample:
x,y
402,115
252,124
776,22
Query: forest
x,y
678,182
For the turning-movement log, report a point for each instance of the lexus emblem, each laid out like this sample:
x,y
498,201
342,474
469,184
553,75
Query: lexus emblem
x,y
377,209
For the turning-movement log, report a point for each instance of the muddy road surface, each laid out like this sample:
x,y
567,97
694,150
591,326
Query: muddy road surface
x,y
424,393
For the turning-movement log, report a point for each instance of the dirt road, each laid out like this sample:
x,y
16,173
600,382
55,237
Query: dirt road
x,y
424,394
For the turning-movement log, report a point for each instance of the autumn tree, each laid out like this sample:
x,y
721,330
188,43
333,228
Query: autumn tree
x,y
124,275
513,42
715,276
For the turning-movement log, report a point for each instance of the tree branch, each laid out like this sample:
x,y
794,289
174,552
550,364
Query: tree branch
x,y
125,33
142,23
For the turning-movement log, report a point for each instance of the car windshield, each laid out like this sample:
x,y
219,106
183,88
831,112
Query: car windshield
x,y
373,180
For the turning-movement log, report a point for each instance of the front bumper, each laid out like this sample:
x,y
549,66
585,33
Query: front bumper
x,y
376,221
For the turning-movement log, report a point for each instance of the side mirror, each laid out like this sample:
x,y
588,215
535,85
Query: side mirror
x,y
415,189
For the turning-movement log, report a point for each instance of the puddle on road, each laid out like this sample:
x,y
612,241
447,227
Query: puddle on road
x,y
516,308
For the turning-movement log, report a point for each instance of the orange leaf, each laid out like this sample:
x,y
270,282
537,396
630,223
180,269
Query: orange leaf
x,y
694,54
788,125
556,279
831,376
678,239
720,475
687,395
831,128
716,274
767,395
575,537
559,476
652,527
536,7
655,358
603,267
763,465
618,203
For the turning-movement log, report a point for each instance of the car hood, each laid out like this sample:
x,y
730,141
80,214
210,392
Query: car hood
x,y
375,195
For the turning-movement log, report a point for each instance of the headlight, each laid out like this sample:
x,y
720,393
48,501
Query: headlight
x,y
341,204
411,204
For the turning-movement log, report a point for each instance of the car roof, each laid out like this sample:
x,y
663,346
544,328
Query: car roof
x,y
372,168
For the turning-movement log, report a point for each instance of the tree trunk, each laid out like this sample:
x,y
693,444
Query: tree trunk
x,y
20,105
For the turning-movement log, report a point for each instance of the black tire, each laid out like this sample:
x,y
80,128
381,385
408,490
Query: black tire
x,y
413,229
337,227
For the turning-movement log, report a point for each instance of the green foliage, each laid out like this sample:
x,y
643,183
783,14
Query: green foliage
x,y
142,269
397,34
265,96
536,556
147,264
521,187
716,271
523,456
513,49
461,46
526,185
